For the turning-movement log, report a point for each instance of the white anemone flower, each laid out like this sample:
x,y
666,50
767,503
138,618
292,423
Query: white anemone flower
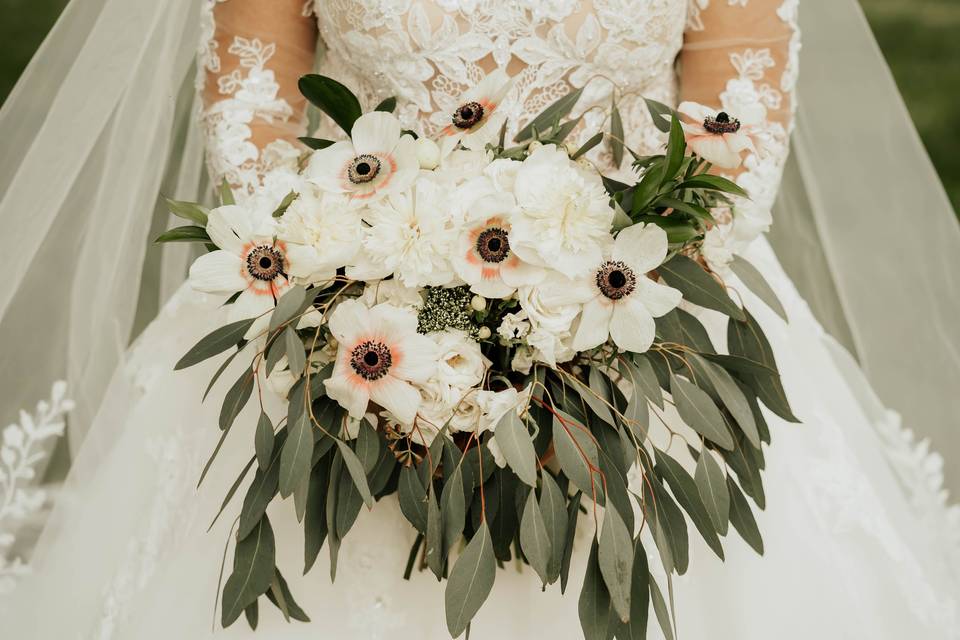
x,y
618,300
251,260
563,219
483,258
409,235
717,137
475,121
377,160
325,226
379,355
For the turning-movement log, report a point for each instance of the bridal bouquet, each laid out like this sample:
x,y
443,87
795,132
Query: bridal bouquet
x,y
502,337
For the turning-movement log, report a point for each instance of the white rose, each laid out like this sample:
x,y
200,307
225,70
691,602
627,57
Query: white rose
x,y
428,154
549,326
514,326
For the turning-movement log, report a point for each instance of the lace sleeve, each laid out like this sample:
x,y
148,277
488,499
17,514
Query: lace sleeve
x,y
741,56
252,54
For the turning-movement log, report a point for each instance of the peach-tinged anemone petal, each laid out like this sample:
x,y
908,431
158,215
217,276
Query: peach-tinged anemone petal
x,y
713,148
349,321
416,359
739,141
249,305
218,272
594,324
631,325
327,165
641,246
349,390
493,287
659,299
516,273
229,227
695,112
375,132
397,397
393,321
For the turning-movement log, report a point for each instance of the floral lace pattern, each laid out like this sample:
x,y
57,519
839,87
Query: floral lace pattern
x,y
251,93
23,447
427,53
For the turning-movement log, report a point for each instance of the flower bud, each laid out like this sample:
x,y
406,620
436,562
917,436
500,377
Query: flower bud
x,y
478,303
536,144
428,153
484,333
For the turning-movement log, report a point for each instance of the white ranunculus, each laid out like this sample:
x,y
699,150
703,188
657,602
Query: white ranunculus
x,y
564,218
514,326
325,229
550,325
460,361
392,292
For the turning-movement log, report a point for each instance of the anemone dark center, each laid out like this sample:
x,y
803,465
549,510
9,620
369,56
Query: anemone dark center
x,y
721,124
371,360
493,245
467,115
616,280
363,168
265,262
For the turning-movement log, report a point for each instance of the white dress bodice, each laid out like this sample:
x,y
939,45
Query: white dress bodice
x,y
426,53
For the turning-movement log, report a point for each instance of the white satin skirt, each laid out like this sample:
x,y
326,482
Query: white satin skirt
x,y
858,540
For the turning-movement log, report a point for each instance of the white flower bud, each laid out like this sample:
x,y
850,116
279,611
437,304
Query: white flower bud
x,y
536,144
484,333
428,153
479,303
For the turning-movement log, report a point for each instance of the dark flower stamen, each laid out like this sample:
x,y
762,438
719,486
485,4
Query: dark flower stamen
x,y
467,115
723,123
363,168
371,360
265,262
616,280
493,245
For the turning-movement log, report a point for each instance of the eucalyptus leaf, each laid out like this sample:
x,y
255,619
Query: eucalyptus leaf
x,y
616,134
280,593
699,412
615,558
296,455
413,498
593,141
636,627
287,306
296,357
594,603
553,507
741,517
236,399
669,520
751,276
315,520
732,397
746,339
644,376
355,467
577,453
660,609
698,286
470,581
712,486
573,513
685,490
263,440
254,561
454,508
534,539
215,342
514,441
226,193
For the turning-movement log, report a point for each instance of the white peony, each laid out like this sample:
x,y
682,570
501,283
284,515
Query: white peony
x,y
409,236
564,217
550,325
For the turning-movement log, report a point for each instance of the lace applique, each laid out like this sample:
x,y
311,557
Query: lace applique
x,y
22,449
427,53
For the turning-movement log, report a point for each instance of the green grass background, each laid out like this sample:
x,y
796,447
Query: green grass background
x,y
920,38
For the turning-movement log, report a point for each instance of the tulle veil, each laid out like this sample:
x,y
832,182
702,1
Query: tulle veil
x,y
103,121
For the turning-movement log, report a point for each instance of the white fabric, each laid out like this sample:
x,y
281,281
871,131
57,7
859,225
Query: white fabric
x,y
126,553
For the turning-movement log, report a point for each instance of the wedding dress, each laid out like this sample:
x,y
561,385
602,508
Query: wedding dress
x,y
852,550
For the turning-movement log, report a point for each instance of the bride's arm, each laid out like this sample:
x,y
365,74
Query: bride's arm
x,y
254,53
742,57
